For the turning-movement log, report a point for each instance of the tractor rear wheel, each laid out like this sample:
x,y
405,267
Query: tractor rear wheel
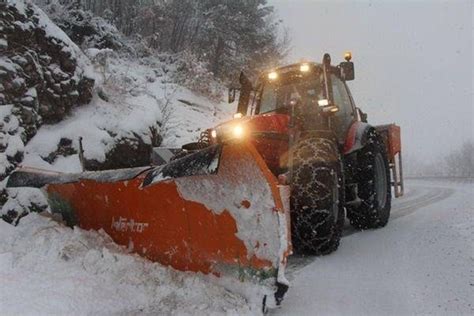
x,y
317,196
374,189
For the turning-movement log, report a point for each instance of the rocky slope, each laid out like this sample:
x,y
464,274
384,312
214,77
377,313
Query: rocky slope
x,y
43,76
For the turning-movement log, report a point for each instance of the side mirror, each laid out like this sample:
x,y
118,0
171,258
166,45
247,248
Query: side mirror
x,y
362,115
246,89
347,70
231,95
245,81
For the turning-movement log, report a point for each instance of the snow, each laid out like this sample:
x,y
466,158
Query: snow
x,y
284,231
3,43
10,137
70,164
19,4
93,53
47,268
15,144
23,199
8,65
421,263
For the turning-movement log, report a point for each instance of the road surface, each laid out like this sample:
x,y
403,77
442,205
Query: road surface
x,y
422,262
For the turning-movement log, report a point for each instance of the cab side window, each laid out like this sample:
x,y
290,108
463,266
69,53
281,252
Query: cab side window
x,y
345,115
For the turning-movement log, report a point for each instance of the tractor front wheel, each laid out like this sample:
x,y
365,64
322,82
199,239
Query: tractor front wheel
x,y
317,196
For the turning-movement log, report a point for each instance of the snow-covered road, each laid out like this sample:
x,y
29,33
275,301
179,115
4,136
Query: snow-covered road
x,y
422,262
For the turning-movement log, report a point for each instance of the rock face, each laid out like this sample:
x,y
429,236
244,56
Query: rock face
x,y
43,75
39,69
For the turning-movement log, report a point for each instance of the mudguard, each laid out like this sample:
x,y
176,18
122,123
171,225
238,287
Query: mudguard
x,y
356,137
219,211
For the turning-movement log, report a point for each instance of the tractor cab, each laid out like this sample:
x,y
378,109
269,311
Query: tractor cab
x,y
314,96
279,90
294,99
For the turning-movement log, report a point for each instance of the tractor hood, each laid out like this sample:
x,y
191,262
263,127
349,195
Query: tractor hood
x,y
268,133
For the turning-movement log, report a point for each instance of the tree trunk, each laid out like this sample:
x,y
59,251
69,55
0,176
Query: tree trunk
x,y
217,56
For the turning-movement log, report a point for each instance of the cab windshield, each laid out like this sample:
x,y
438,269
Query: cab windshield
x,y
276,95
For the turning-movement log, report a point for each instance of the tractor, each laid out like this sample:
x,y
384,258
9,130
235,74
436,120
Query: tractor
x,y
303,121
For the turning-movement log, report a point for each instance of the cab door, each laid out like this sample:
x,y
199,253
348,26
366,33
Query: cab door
x,y
346,115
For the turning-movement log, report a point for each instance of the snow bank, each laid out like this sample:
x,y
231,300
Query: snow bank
x,y
47,268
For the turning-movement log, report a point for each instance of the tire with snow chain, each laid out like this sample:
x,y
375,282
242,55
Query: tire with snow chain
x,y
317,196
373,181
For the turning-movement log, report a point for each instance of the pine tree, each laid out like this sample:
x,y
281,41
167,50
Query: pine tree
x,y
224,35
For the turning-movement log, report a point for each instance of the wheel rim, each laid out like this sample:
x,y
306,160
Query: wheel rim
x,y
380,181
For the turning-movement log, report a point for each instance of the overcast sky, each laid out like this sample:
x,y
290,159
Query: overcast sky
x,y
413,59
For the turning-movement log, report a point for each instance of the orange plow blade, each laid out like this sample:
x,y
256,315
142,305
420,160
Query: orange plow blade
x,y
217,211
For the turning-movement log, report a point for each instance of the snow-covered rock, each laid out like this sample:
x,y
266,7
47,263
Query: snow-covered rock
x,y
42,70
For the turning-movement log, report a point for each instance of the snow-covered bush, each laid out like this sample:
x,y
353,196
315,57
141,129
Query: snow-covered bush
x,y
226,36
195,75
84,28
22,202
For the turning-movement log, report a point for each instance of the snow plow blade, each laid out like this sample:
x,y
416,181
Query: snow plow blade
x,y
218,211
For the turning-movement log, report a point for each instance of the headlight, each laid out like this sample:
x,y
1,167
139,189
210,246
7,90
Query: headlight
x,y
213,133
238,115
238,131
304,67
273,75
